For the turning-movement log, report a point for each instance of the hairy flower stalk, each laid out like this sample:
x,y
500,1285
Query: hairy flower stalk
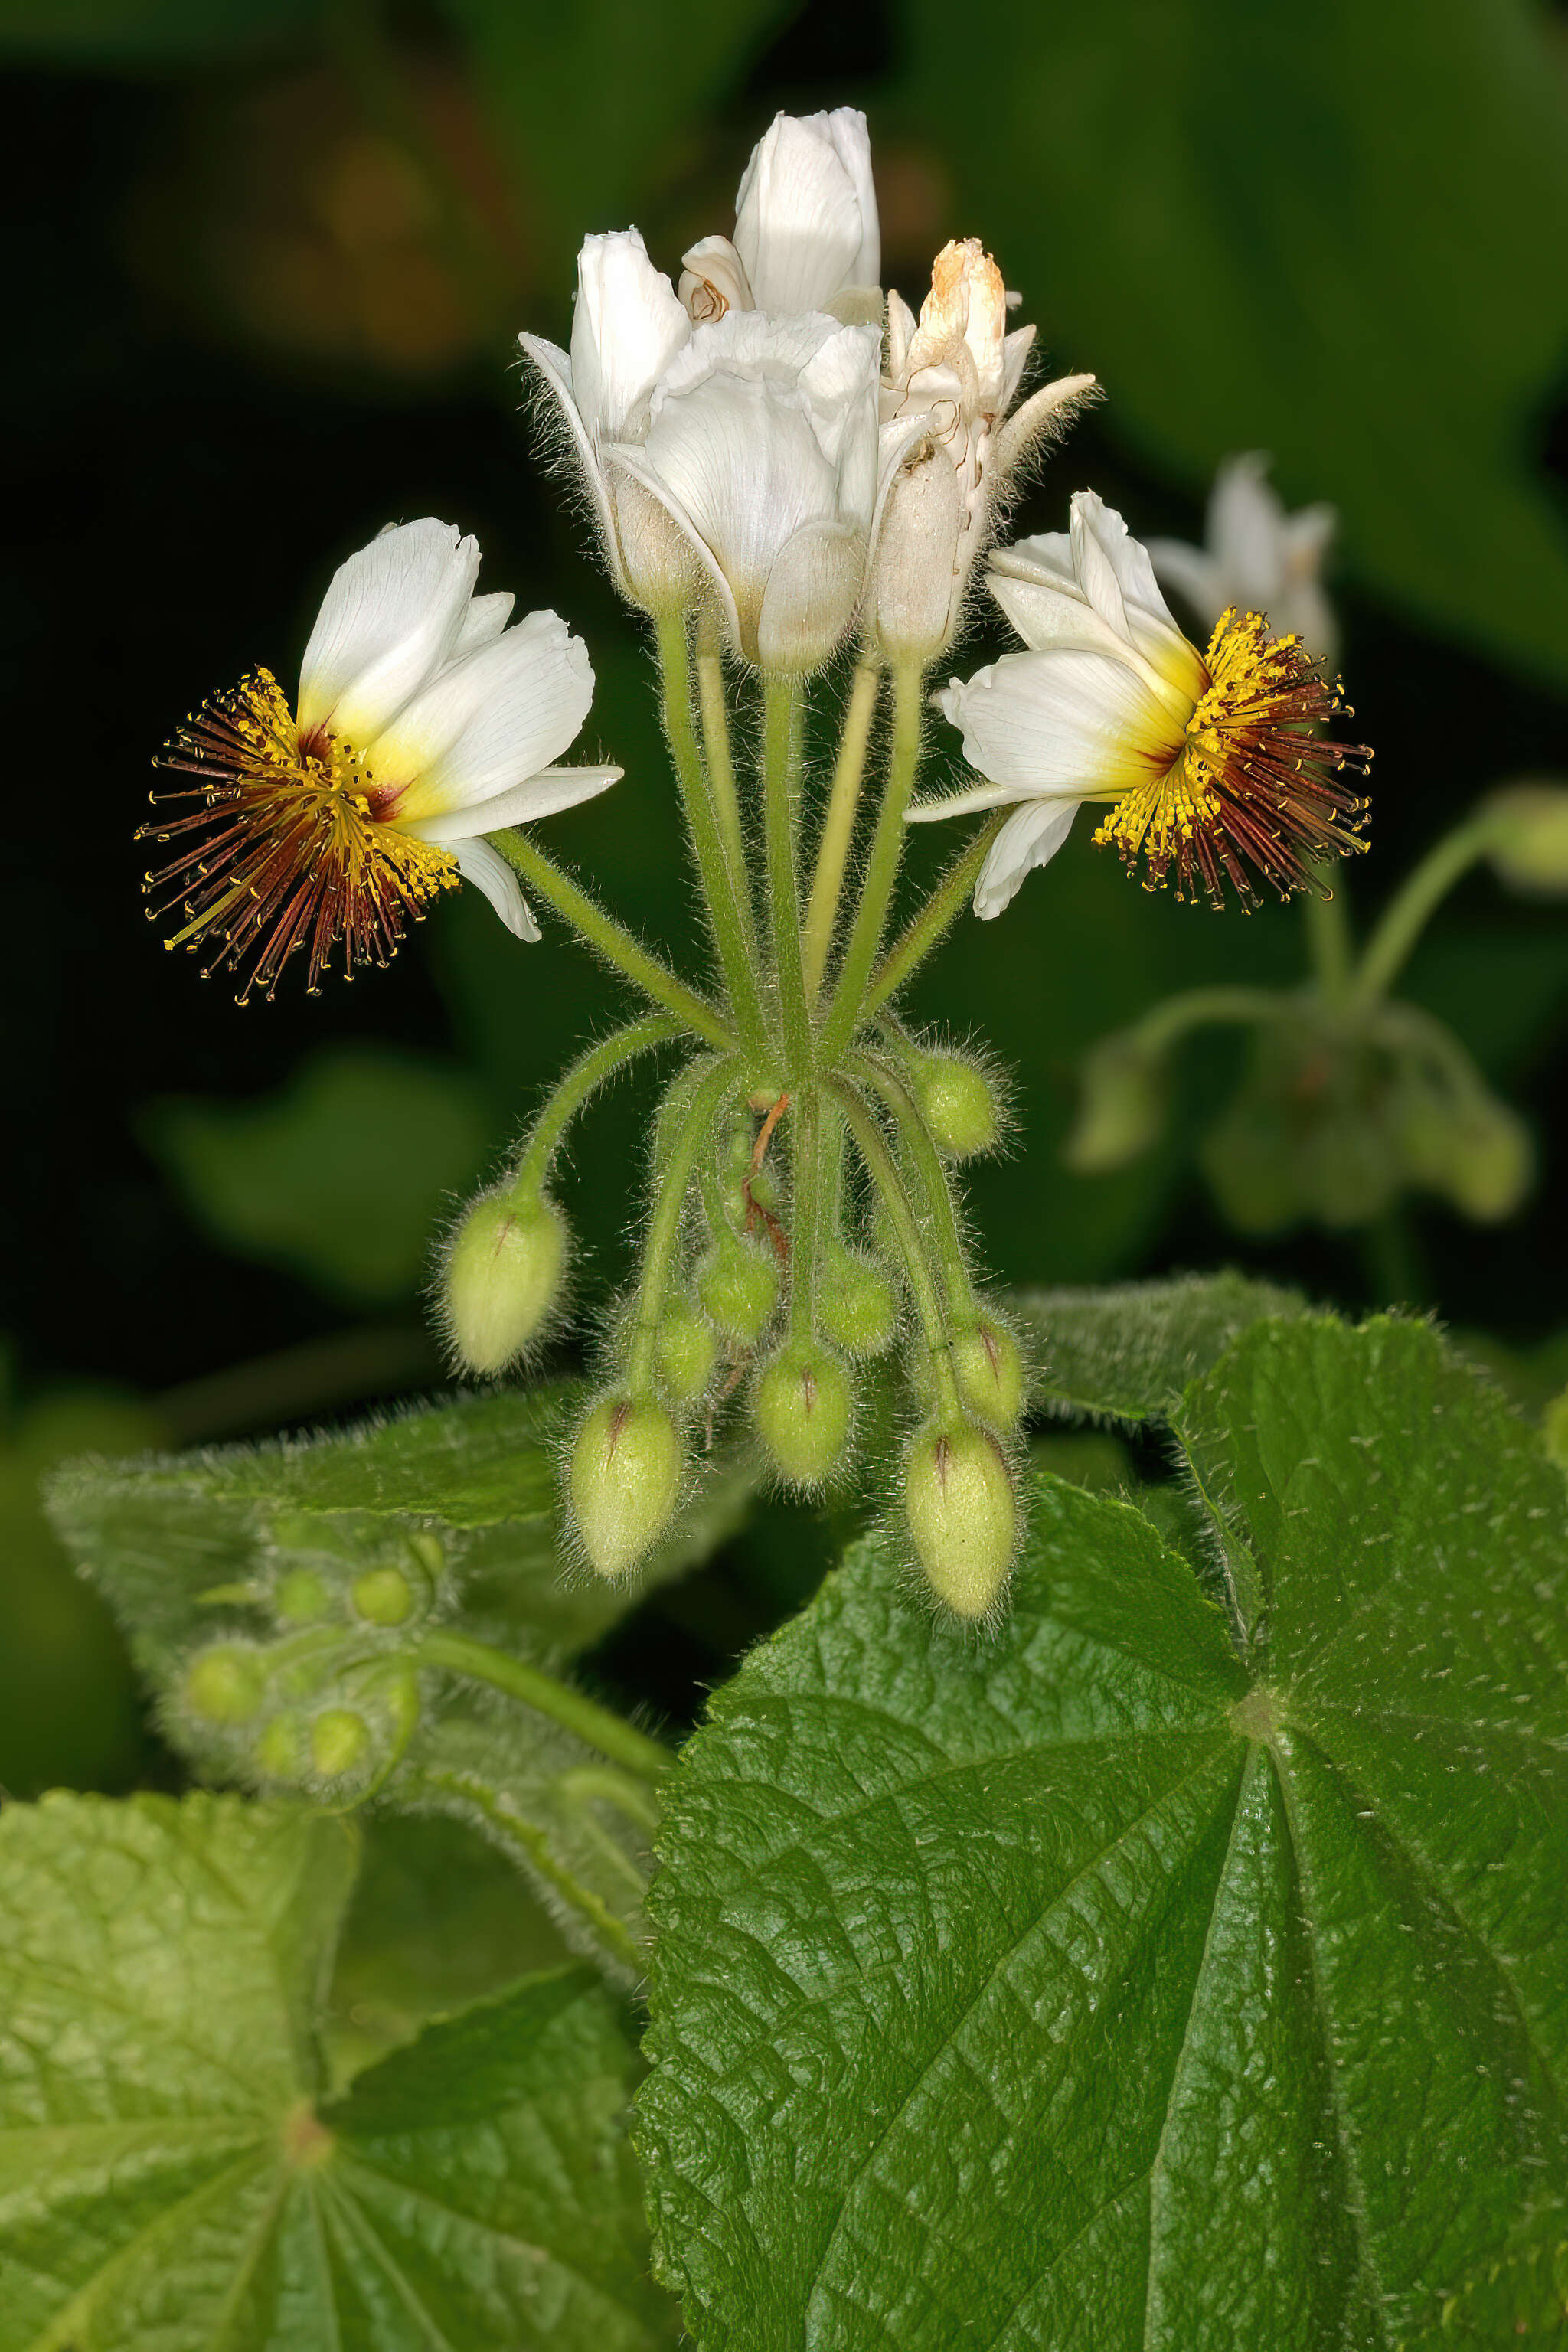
x,y
774,482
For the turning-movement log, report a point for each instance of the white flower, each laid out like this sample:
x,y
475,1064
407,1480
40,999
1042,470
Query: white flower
x,y
959,366
806,232
1258,558
423,723
1208,762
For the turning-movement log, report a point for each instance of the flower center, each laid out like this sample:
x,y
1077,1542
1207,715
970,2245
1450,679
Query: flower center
x,y
1254,789
285,849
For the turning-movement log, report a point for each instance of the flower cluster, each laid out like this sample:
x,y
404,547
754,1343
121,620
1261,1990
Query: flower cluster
x,y
784,466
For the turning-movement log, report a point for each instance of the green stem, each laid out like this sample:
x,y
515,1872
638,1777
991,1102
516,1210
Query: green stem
x,y
729,930
781,769
714,705
839,824
587,1072
848,1008
1407,912
589,1722
884,1172
1200,1007
664,1230
805,1209
611,940
936,917
1328,935
946,1245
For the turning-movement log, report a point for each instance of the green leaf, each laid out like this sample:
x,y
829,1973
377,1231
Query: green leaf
x,y
1127,1352
1090,1986
342,1177
157,33
1273,237
169,2172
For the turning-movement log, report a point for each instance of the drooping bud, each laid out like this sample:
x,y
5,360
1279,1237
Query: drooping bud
x,y
626,1472
738,1286
339,1742
990,1369
384,1596
1492,1160
685,1351
856,1305
227,1684
1121,1106
1530,854
502,1277
958,1105
804,1407
281,1750
301,1597
963,1515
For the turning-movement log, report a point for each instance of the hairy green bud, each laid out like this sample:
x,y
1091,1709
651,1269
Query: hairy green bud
x,y
280,1748
502,1277
685,1351
301,1597
384,1596
339,1742
990,1370
1121,1106
856,1305
227,1684
1530,854
627,1472
804,1407
738,1286
958,1105
963,1515
1492,1160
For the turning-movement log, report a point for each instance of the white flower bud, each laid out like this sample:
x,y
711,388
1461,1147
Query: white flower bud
x,y
503,1273
627,1472
804,1408
963,1515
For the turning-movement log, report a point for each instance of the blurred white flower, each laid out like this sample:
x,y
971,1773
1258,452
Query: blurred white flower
x,y
1209,762
806,232
423,723
1258,558
959,366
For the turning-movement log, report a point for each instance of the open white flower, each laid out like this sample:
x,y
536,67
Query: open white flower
x,y
423,723
1258,558
806,232
960,367
1209,762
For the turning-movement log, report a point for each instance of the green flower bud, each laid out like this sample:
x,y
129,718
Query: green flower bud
x,y
685,1351
339,1742
384,1596
738,1286
281,1750
1120,1110
963,1515
856,1305
225,1683
502,1277
301,1597
627,1472
990,1370
958,1104
1492,1162
804,1406
1531,853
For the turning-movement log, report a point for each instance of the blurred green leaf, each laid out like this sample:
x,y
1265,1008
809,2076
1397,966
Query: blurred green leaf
x,y
139,34
1328,237
342,1177
1127,1352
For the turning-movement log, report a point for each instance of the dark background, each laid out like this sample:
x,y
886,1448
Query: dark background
x,y
267,261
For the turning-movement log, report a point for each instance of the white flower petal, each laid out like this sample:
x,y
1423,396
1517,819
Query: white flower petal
x,y
805,215
1048,619
713,280
1030,837
486,617
1246,531
554,372
1050,723
388,621
627,327
487,722
487,870
544,794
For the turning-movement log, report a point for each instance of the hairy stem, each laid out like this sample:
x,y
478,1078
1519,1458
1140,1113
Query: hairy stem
x,y
587,1072
805,1209
612,939
714,706
931,926
1328,935
1409,911
945,1242
847,1007
592,1724
1200,1008
839,824
718,884
781,772
885,1173
684,1146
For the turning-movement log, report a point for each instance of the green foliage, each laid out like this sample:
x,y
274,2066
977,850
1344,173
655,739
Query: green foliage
x,y
1166,1969
342,1177
172,2169
1318,211
1126,1353
140,34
